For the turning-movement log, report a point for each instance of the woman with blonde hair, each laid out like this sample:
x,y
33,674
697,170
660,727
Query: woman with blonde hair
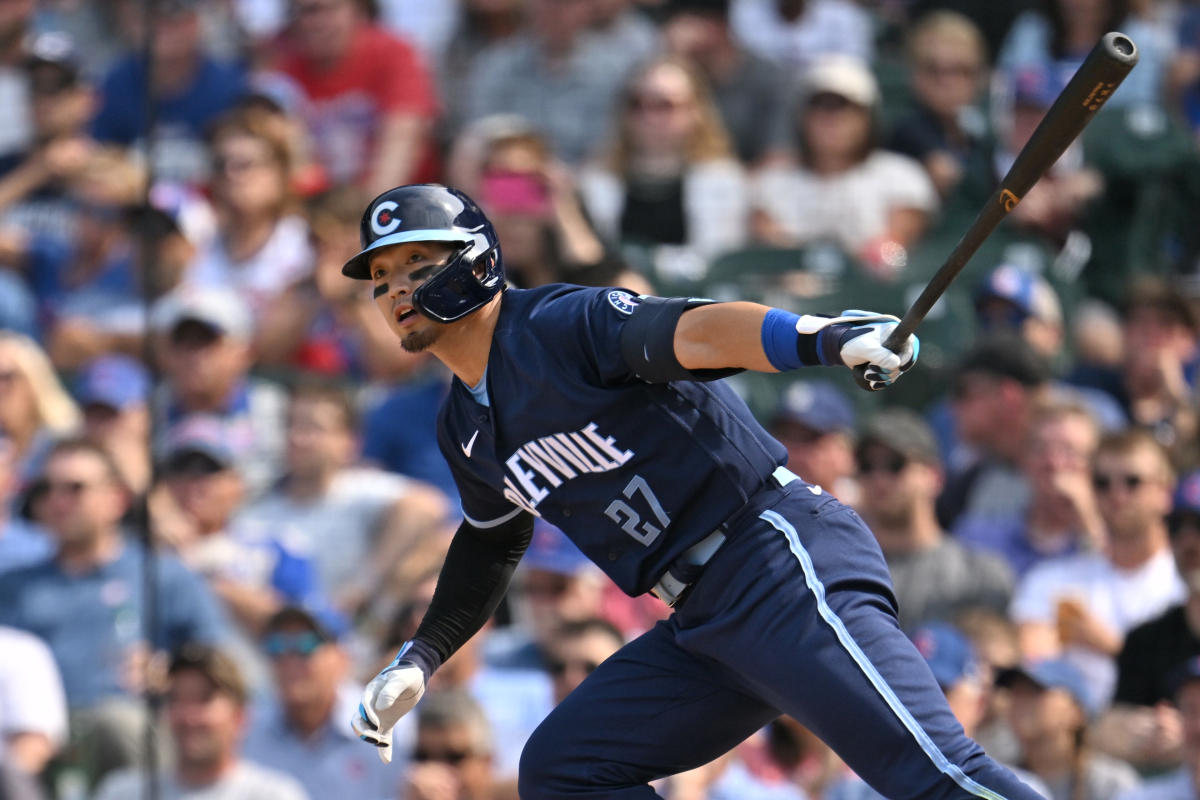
x,y
261,247
35,408
670,182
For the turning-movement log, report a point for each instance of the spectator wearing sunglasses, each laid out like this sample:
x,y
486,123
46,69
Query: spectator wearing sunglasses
x,y
301,732
253,567
934,576
1143,726
579,647
87,600
1081,606
452,757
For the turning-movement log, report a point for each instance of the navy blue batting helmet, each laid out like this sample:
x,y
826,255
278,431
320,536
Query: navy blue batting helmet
x,y
430,212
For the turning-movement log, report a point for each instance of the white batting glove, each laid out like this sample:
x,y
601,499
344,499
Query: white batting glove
x,y
389,696
861,345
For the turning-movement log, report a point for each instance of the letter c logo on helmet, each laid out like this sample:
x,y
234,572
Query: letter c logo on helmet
x,y
384,219
429,212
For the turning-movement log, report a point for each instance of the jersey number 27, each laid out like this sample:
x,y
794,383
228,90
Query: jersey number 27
x,y
630,519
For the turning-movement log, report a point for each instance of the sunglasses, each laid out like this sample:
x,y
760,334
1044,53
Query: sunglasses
x,y
891,464
828,101
68,488
304,644
559,667
1131,482
952,69
451,757
654,104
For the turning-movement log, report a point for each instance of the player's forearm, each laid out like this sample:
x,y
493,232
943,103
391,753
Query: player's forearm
x,y
474,577
721,336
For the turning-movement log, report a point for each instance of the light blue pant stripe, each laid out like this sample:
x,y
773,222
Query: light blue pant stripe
x,y
944,765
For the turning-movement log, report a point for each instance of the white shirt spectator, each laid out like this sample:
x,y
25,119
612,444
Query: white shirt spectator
x,y
826,26
246,781
1119,598
851,208
337,529
31,689
284,260
715,207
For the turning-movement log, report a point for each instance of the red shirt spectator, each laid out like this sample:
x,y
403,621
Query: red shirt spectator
x,y
370,100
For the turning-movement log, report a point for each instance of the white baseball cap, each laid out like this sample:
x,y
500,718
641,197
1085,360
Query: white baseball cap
x,y
843,75
220,308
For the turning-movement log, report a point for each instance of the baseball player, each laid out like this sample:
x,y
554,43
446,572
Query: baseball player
x,y
598,411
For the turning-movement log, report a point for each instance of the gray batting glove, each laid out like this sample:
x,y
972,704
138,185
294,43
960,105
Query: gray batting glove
x,y
389,696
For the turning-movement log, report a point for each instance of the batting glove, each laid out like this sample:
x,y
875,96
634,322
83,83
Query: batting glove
x,y
389,696
860,347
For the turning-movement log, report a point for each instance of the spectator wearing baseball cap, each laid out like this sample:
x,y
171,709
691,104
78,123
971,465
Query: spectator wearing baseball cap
x,y
998,383
555,583
1015,300
206,712
205,351
113,392
253,567
300,730
934,576
1050,706
815,422
873,203
1142,726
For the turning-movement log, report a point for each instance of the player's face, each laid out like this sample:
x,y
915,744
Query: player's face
x,y
397,271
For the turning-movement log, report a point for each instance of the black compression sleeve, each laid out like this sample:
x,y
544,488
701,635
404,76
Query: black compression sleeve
x,y
475,575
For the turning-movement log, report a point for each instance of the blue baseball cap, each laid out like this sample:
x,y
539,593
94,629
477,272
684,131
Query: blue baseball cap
x,y
947,651
818,405
117,382
1054,673
551,551
328,623
1029,293
198,435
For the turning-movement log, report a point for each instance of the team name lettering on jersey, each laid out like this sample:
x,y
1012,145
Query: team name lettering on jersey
x,y
546,463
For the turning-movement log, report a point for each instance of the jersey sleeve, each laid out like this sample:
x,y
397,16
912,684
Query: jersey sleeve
x,y
585,326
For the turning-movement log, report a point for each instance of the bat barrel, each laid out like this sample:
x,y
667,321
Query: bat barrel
x,y
1089,88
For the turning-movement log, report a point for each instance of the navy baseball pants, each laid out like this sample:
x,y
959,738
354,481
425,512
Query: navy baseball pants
x,y
794,614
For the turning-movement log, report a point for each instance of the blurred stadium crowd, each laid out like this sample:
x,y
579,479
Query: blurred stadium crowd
x,y
222,506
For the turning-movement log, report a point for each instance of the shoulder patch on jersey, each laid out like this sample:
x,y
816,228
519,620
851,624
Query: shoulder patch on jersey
x,y
622,301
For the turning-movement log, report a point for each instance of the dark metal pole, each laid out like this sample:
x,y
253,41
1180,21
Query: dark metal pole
x,y
147,244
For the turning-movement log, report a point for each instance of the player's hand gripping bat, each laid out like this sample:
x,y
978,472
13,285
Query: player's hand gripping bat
x,y
1093,83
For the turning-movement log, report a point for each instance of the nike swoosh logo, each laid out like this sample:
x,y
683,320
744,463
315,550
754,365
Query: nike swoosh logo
x,y
814,489
470,444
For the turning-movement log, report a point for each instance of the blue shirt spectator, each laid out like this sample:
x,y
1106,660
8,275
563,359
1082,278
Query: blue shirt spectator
x,y
90,619
410,449
192,89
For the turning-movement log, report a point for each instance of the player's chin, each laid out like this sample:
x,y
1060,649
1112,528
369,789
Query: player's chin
x,y
419,340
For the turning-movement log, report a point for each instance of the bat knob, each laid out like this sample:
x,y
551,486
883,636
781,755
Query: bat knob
x,y
1120,47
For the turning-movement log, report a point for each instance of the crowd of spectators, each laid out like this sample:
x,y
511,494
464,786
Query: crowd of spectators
x,y
222,505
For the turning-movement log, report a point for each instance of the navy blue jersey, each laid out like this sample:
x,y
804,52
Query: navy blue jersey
x,y
633,472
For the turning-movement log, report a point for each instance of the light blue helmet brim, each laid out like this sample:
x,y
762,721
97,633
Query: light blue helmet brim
x,y
357,266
